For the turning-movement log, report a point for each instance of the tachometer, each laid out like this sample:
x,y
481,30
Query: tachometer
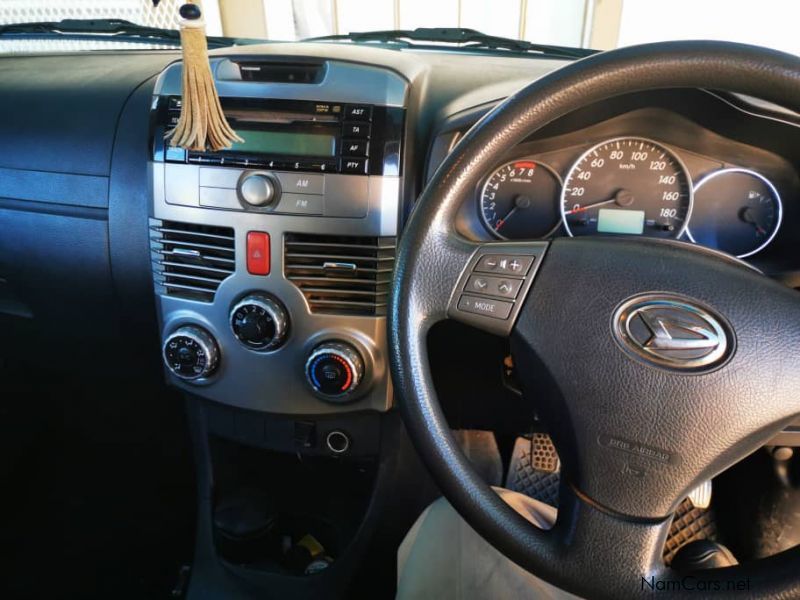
x,y
627,186
520,200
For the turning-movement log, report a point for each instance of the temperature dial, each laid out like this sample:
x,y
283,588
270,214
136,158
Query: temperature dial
x,y
191,353
335,370
259,322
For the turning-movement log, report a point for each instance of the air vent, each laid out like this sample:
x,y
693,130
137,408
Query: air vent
x,y
189,260
279,72
341,274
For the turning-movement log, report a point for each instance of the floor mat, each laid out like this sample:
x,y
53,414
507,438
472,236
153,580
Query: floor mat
x,y
100,502
535,471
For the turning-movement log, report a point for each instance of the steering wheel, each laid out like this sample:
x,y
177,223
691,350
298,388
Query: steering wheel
x,y
659,364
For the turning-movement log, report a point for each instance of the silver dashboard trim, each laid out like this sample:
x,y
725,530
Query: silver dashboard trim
x,y
342,82
274,382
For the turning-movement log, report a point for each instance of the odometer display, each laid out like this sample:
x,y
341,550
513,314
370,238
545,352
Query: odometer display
x,y
627,186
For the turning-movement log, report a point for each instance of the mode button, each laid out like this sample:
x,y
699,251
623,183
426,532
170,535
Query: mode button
x,y
486,307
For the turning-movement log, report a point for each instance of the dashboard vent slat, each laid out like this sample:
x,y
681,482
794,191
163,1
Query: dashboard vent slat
x,y
191,260
341,274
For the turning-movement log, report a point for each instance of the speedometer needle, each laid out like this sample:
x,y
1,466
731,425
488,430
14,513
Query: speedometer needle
x,y
622,197
589,206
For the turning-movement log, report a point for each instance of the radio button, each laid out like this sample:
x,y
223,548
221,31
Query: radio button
x,y
300,204
328,166
215,177
203,159
356,130
354,148
301,183
354,165
358,112
212,197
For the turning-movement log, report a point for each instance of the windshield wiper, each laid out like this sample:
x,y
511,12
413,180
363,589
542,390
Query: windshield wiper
x,y
460,38
113,29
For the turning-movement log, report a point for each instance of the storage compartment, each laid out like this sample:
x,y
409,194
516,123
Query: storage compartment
x,y
285,513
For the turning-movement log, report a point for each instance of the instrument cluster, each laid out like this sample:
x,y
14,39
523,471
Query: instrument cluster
x,y
632,186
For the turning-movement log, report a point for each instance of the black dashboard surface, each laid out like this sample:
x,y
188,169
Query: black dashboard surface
x,y
73,171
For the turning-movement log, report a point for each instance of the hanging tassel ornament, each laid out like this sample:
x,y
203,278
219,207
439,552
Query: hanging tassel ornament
x,y
202,124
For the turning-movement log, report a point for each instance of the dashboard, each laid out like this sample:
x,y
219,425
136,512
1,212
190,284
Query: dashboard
x,y
255,282
265,271
674,164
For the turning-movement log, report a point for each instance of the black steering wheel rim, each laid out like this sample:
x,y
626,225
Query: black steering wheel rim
x,y
425,280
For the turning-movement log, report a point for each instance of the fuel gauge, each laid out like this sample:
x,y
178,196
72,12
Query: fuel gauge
x,y
736,210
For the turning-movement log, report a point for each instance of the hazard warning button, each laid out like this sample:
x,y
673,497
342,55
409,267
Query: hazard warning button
x,y
258,253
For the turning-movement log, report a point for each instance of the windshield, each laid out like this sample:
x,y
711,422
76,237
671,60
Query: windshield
x,y
600,24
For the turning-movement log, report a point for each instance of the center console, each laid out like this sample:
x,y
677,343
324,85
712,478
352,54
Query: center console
x,y
271,264
272,260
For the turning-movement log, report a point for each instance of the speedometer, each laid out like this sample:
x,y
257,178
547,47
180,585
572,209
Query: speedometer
x,y
627,186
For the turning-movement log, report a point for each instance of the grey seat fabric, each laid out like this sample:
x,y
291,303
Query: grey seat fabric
x,y
444,558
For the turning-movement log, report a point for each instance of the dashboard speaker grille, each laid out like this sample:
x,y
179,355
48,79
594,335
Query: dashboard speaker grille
x,y
191,260
341,274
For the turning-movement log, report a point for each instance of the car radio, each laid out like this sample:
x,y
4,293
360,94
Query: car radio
x,y
295,135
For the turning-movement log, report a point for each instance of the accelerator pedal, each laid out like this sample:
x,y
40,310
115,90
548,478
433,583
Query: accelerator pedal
x,y
534,469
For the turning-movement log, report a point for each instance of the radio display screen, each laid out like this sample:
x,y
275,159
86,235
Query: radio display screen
x,y
293,143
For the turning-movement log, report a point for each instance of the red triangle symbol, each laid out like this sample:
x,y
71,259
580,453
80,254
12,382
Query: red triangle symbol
x,y
256,254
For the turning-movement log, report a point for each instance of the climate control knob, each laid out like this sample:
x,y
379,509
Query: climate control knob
x,y
258,189
335,370
191,352
260,322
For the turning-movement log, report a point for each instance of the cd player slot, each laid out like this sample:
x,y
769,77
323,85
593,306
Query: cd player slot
x,y
276,116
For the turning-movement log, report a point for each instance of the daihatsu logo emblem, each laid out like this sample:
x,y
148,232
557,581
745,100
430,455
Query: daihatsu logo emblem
x,y
672,331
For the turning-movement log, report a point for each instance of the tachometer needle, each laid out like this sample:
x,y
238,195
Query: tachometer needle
x,y
502,221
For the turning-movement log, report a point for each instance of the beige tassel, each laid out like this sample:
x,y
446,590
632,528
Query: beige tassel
x,y
202,124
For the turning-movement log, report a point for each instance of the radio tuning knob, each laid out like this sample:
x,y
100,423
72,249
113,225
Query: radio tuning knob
x,y
335,370
258,189
259,322
190,353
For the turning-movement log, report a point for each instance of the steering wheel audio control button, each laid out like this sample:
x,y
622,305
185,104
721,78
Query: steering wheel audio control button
x,y
494,286
486,307
517,266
